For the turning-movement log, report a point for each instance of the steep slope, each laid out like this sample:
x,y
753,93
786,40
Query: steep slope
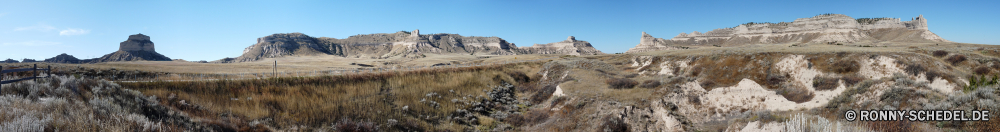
x,y
818,29
570,46
138,47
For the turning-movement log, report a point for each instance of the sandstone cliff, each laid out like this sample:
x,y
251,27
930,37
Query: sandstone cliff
x,y
138,47
570,46
818,29
399,44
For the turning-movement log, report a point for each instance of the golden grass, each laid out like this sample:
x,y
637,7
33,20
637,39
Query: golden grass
x,y
320,101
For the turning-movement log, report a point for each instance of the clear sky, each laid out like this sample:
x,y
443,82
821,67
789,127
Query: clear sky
x,y
211,30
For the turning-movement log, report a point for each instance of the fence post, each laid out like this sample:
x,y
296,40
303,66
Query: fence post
x,y
34,73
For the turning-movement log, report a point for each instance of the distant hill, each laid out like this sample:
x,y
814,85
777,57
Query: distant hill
x,y
826,28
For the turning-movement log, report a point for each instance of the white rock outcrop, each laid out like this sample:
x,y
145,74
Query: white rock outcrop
x,y
818,29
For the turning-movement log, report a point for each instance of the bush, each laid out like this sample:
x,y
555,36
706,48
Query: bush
x,y
543,94
825,83
796,94
982,70
852,79
529,117
845,66
559,100
940,53
915,69
633,75
955,59
707,84
621,83
614,124
650,84
775,80
346,125
518,76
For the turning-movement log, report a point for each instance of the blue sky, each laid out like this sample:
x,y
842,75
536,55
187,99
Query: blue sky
x,y
211,30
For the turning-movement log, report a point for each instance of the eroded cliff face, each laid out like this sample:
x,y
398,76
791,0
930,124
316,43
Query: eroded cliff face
x,y
818,29
137,47
570,46
404,44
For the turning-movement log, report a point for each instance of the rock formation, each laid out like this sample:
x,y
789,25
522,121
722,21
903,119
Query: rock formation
x,y
26,60
399,44
818,29
138,47
9,61
63,58
570,46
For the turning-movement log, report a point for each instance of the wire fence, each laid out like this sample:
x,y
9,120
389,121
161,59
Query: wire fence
x,y
277,74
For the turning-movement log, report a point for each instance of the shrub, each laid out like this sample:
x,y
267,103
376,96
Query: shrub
x,y
621,83
633,75
845,66
518,76
940,53
530,117
982,70
852,79
707,84
650,84
347,125
543,94
796,94
559,100
614,124
825,83
955,59
775,80
915,69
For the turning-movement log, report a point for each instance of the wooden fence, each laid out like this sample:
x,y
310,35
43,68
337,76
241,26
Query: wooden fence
x,y
33,69
34,73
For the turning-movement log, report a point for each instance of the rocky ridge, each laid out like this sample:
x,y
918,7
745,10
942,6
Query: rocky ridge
x,y
824,28
399,44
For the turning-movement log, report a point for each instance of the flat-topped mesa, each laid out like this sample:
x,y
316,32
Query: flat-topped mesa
x,y
818,29
138,47
137,42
